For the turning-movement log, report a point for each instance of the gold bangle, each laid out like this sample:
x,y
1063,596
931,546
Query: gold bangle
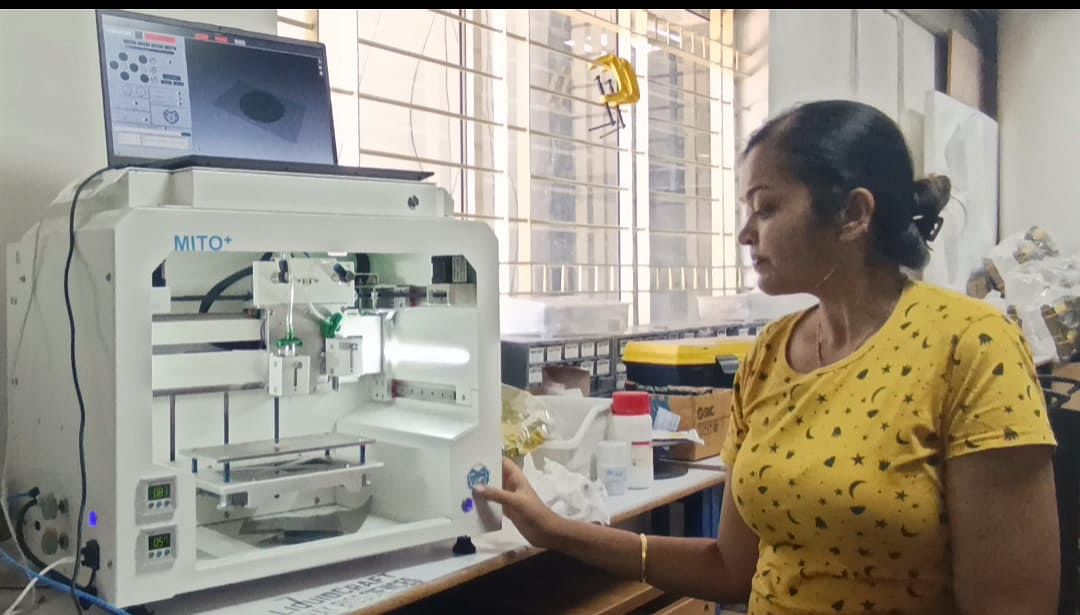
x,y
644,555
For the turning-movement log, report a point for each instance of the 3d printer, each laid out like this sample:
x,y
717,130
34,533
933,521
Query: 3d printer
x,y
279,371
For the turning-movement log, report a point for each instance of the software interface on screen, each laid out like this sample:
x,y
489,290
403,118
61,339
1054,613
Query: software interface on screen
x,y
174,89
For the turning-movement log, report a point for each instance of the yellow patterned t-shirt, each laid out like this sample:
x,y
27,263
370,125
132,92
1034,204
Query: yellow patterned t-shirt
x,y
840,471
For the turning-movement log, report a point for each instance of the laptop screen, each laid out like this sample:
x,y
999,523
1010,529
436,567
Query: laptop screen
x,y
174,88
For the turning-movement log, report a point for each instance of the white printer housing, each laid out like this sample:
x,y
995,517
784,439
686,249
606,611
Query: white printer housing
x,y
312,413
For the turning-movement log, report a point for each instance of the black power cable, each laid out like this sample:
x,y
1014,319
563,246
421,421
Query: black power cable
x,y
20,521
75,381
55,575
78,388
218,290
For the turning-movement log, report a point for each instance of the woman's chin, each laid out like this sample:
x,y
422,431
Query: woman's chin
x,y
769,285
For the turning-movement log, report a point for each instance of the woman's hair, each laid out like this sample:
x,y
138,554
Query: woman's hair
x,y
836,146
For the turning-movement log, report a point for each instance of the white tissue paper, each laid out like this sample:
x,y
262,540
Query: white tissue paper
x,y
669,438
569,494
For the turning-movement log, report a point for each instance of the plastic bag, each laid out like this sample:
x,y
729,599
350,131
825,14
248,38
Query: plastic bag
x,y
1014,251
1044,298
1025,277
525,427
1043,295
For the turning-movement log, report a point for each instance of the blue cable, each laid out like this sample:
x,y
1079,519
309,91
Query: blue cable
x,y
18,496
62,587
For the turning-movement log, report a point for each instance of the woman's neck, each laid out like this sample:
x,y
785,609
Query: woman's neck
x,y
857,303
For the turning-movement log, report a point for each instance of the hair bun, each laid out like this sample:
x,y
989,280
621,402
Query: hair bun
x,y
931,195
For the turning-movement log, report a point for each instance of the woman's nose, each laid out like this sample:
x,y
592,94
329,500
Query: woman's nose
x,y
747,234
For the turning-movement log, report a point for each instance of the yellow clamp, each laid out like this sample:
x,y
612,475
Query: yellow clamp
x,y
628,92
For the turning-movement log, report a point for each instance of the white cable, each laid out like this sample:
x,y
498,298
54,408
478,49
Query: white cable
x,y
412,95
461,95
29,586
374,37
6,558
289,316
318,312
14,369
30,299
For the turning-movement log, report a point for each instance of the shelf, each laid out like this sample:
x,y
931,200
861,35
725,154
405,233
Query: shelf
x,y
263,483
549,583
260,449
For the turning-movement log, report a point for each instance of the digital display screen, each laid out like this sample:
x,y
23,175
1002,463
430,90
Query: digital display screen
x,y
160,541
159,492
174,88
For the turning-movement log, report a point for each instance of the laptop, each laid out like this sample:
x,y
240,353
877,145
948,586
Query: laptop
x,y
179,94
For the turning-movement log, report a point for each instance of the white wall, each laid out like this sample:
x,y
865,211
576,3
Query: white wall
x,y
752,86
1038,98
882,58
52,128
788,57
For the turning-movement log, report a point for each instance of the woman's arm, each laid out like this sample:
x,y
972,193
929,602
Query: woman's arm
x,y
1003,519
718,570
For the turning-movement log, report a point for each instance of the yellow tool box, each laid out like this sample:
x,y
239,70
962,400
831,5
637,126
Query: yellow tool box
x,y
695,362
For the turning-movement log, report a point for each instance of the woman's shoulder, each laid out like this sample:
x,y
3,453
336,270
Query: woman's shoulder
x,y
772,340
943,304
928,290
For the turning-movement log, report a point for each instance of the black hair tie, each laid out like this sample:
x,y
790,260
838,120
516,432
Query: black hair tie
x,y
928,226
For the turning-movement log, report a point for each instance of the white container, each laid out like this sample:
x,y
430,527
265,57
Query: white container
x,y
632,429
578,426
641,466
750,307
613,465
562,316
631,422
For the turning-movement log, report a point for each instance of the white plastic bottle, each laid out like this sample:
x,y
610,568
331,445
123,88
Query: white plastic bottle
x,y
632,422
613,465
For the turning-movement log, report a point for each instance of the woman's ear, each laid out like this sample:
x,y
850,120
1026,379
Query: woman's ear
x,y
857,214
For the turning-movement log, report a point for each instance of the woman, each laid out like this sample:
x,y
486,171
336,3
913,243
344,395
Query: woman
x,y
889,448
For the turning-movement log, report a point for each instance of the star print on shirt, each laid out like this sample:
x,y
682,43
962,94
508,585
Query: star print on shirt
x,y
856,536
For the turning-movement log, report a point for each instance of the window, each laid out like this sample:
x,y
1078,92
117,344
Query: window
x,y
503,106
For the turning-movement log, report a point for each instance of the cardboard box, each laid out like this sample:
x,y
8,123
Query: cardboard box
x,y
704,409
1072,371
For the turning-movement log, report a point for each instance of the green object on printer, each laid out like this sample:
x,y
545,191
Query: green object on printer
x,y
332,326
290,341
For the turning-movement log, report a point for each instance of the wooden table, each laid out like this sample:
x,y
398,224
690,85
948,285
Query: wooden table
x,y
390,581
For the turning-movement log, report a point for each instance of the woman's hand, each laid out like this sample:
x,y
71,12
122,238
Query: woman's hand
x,y
536,522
